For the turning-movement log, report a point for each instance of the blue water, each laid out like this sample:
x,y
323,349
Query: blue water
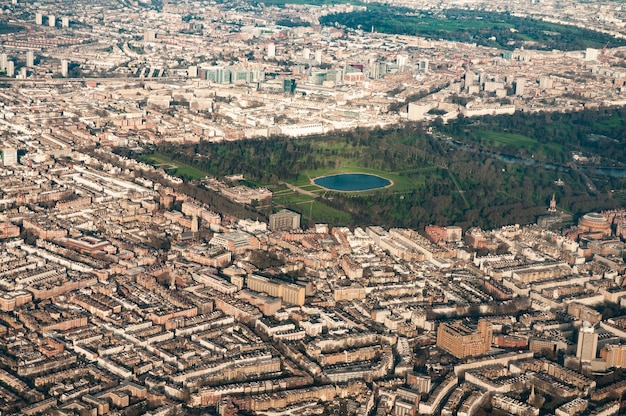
x,y
352,182
614,172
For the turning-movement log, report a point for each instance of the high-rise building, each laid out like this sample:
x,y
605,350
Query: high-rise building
x,y
30,59
39,18
3,61
587,343
463,341
10,68
289,85
545,83
306,53
614,356
219,75
52,21
402,61
149,36
520,84
591,54
284,220
192,72
65,21
9,156
64,67
318,56
271,50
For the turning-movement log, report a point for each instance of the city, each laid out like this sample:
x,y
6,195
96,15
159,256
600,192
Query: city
x,y
130,288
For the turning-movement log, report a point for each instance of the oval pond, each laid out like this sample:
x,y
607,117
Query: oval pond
x,y
352,182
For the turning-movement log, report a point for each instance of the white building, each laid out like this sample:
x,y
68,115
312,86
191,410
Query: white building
x,y
271,50
9,156
30,59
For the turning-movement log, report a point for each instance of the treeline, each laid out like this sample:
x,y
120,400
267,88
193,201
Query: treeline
x,y
601,132
484,28
215,200
275,159
6,27
458,186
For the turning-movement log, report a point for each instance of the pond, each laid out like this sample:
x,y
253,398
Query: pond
x,y
347,182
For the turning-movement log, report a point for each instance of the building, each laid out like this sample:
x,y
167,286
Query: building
x,y
271,50
52,21
289,85
520,84
614,356
64,67
587,343
594,222
284,220
475,238
30,59
417,112
591,54
9,156
39,18
10,69
462,341
423,65
402,61
288,292
235,241
318,56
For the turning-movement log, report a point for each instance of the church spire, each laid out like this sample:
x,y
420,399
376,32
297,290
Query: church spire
x,y
552,207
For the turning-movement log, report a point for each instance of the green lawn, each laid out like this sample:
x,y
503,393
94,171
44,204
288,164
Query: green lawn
x,y
406,180
173,167
309,207
282,3
503,139
610,123
323,213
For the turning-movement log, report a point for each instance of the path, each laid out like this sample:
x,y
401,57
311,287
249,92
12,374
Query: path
x,y
458,187
298,189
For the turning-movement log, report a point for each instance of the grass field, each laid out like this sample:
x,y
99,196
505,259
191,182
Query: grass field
x,y
281,3
173,167
402,181
474,26
309,207
610,123
507,139
309,202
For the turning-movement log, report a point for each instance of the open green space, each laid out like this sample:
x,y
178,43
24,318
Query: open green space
x,y
501,30
512,139
311,209
282,3
497,169
551,137
401,182
173,167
